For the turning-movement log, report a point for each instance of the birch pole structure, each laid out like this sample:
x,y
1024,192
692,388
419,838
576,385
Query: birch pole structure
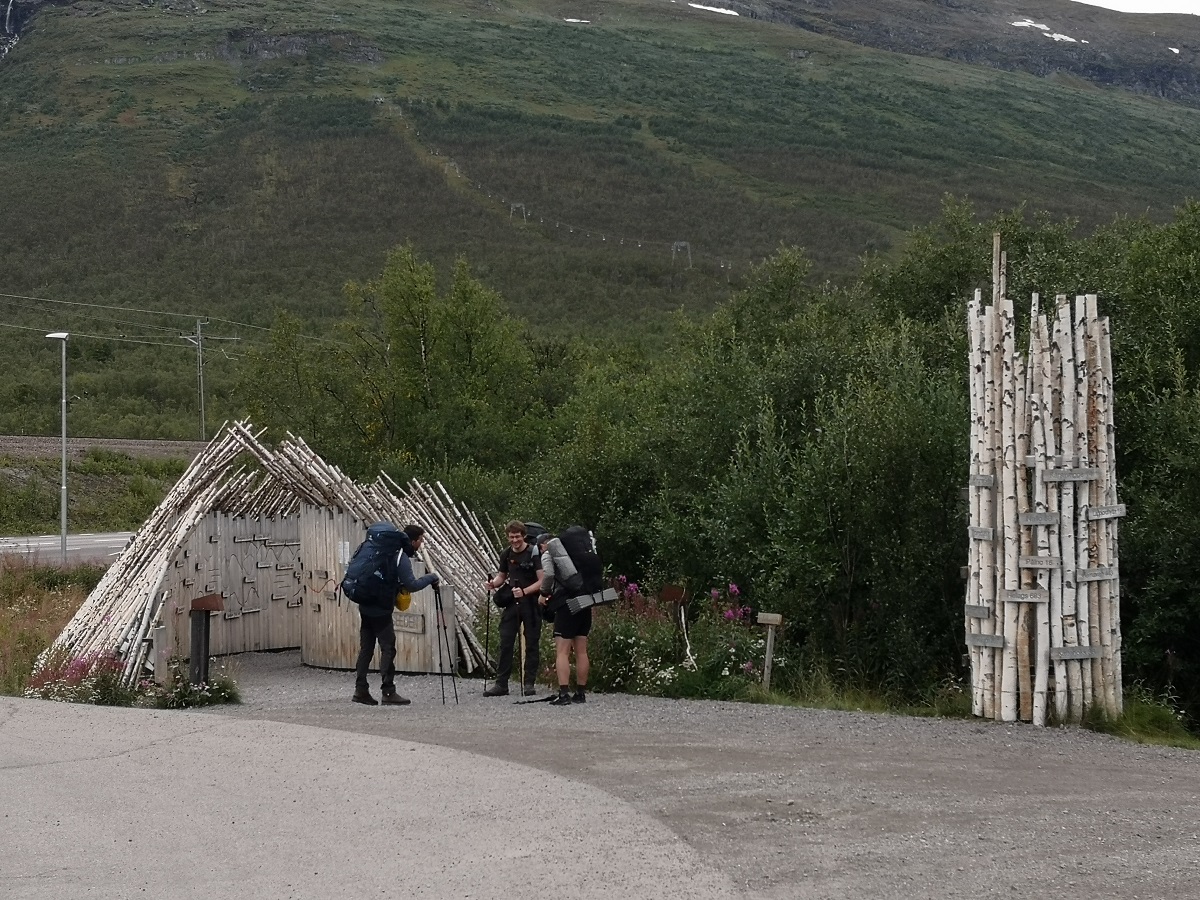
x,y
1042,611
257,494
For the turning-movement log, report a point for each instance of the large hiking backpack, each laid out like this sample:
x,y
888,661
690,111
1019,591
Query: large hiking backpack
x,y
578,543
370,578
586,588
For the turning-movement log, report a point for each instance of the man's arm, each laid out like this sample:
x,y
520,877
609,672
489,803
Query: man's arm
x,y
406,579
546,581
500,577
535,588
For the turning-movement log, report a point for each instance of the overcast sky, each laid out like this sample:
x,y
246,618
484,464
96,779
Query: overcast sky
x,y
1148,6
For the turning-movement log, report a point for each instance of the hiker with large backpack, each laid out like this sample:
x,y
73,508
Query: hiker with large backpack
x,y
376,574
571,569
519,581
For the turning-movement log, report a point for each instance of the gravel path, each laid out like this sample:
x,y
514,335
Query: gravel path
x,y
77,447
796,803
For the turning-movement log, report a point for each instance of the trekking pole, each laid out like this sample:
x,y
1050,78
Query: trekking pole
x,y
445,637
439,624
487,639
454,664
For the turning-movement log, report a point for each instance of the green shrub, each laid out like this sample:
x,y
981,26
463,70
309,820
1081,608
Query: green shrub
x,y
96,678
179,693
639,646
1148,718
36,602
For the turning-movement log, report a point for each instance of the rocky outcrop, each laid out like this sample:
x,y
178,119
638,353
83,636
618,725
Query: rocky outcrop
x,y
242,45
1153,55
246,44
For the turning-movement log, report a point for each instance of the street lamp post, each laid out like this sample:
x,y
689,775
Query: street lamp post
x,y
62,508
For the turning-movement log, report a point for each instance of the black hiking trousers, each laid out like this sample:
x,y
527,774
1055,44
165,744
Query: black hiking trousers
x,y
373,629
523,612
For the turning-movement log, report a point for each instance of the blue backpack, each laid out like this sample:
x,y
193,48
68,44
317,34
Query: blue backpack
x,y
370,578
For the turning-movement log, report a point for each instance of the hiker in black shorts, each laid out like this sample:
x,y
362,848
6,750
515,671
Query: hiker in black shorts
x,y
570,629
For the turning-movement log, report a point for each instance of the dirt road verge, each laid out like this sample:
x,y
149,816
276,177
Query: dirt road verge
x,y
794,803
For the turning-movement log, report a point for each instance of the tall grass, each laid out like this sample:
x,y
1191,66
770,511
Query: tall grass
x,y
1147,718
106,492
36,602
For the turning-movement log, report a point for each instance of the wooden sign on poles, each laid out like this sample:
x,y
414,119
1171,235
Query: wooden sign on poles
x,y
1042,606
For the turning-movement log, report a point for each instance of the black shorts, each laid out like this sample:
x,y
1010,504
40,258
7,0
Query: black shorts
x,y
572,625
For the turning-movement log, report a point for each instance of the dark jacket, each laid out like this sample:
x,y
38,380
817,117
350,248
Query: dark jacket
x,y
404,581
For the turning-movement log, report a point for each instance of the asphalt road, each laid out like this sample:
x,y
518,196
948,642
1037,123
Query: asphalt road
x,y
793,803
47,548
300,793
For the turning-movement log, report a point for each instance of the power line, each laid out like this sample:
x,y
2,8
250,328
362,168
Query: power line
x,y
152,312
83,315
240,324
95,305
103,337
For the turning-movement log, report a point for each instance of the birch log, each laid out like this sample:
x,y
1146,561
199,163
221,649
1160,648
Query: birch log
x,y
1112,499
1104,495
1024,541
1011,538
1051,364
977,385
1085,590
1070,563
987,514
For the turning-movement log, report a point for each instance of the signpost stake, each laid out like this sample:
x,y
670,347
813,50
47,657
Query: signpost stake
x,y
198,662
772,621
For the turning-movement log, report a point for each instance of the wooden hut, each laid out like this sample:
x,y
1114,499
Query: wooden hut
x,y
270,531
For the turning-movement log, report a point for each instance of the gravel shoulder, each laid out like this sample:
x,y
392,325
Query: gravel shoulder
x,y
803,803
37,446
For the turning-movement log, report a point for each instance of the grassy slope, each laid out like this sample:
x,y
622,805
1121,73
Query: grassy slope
x,y
258,156
36,602
108,492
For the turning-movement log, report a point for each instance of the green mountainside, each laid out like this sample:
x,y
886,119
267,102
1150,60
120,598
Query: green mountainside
x,y
479,217
231,160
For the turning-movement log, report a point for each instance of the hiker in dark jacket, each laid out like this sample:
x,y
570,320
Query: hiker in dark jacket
x,y
520,568
376,625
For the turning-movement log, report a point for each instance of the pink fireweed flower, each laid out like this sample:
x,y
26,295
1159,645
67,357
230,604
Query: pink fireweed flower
x,y
715,594
733,589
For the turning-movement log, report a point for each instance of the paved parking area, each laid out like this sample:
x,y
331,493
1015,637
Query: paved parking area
x,y
622,796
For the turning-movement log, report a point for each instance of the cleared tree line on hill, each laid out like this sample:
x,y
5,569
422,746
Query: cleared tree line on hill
x,y
808,442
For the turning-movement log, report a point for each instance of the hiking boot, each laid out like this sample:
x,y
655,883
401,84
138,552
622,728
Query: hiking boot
x,y
364,696
579,697
529,690
563,699
497,690
391,698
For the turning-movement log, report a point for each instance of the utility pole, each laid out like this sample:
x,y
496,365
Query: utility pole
x,y
681,247
63,336
198,340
